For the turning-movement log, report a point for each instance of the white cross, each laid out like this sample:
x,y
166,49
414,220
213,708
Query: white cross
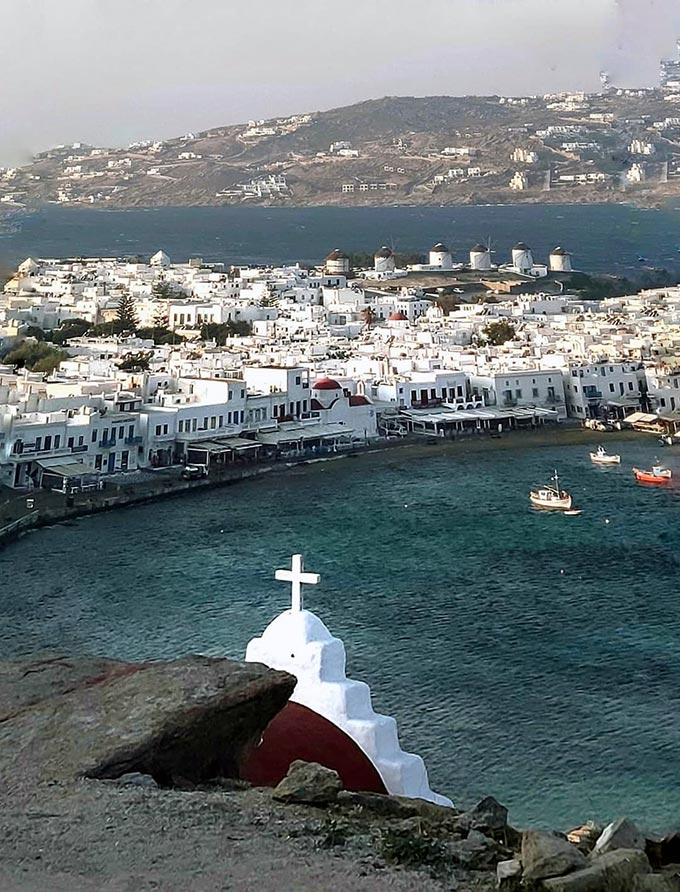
x,y
296,576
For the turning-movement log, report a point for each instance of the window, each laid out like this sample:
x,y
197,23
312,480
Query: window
x,y
94,435
518,393
131,430
81,441
165,428
243,415
98,462
180,427
193,424
69,442
229,415
57,441
630,385
297,379
213,422
221,420
611,387
534,392
663,403
38,444
158,430
243,394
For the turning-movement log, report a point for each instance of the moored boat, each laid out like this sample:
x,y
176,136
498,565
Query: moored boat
x,y
551,498
657,474
602,457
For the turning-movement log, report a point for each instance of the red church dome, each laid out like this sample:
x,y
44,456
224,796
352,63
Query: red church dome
x,y
326,384
398,317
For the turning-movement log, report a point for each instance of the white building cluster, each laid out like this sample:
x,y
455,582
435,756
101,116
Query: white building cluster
x,y
326,361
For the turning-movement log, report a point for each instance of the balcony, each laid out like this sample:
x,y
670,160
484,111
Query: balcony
x,y
509,402
77,448
591,394
107,444
134,441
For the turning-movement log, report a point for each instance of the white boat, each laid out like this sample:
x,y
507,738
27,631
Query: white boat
x,y
551,498
602,457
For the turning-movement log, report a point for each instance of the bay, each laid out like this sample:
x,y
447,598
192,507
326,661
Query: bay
x,y
529,656
603,238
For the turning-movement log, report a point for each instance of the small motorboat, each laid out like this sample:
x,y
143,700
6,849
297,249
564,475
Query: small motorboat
x,y
551,498
602,457
666,440
657,474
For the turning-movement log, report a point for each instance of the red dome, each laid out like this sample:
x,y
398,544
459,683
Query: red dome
x,y
298,732
326,384
398,317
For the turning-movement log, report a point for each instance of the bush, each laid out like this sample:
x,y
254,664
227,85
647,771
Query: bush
x,y
414,848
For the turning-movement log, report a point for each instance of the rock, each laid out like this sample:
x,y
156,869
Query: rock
x,y
477,852
310,783
585,836
489,814
194,717
665,850
657,882
509,875
620,834
617,871
547,855
135,779
378,804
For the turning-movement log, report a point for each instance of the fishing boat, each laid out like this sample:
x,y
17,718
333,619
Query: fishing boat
x,y
657,474
551,498
602,457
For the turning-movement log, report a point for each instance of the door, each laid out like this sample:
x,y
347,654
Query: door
x,y
112,462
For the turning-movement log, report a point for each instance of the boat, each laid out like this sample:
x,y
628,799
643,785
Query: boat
x,y
602,457
551,498
657,474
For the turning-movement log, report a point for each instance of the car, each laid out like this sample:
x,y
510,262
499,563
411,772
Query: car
x,y
194,472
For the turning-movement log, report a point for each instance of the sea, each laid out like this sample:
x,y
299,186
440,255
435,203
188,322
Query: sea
x,y
606,238
531,656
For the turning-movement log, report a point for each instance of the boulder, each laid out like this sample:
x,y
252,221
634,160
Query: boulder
x,y
489,814
617,871
194,717
547,855
620,834
398,807
585,836
657,882
477,852
663,850
135,779
310,783
509,875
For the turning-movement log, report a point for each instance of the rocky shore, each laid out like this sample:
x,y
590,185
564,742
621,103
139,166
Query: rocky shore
x,y
125,776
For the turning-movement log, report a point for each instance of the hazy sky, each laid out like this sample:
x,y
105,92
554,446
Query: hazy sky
x,y
112,71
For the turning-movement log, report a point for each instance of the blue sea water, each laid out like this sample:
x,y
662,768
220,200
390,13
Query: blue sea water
x,y
603,238
535,657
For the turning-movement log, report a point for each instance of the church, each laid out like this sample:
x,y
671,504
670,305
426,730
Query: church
x,y
330,718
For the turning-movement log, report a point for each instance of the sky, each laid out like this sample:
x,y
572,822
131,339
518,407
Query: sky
x,y
107,72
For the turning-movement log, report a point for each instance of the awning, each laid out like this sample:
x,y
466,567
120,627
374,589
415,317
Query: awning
x,y
304,433
640,418
65,467
240,444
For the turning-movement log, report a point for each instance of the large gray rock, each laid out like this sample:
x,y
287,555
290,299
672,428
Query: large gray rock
x,y
310,783
546,855
399,807
489,814
617,871
194,717
509,875
476,852
620,834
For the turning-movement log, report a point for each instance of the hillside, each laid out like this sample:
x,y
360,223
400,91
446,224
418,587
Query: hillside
x,y
623,145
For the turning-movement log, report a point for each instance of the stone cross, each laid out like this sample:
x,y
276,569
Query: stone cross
x,y
297,577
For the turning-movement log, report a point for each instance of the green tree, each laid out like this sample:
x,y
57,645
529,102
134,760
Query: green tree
x,y
220,331
497,333
37,356
70,328
127,312
134,362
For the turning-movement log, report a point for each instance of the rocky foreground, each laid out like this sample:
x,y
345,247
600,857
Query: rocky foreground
x,y
124,777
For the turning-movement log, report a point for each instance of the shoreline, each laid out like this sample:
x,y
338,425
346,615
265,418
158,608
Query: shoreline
x,y
49,508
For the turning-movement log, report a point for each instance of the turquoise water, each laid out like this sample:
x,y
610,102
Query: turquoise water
x,y
603,238
531,656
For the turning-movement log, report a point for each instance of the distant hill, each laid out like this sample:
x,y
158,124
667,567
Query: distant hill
x,y
395,150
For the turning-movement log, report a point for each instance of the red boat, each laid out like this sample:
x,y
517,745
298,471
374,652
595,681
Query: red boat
x,y
656,475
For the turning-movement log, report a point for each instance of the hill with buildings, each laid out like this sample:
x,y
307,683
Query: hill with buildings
x,y
568,147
